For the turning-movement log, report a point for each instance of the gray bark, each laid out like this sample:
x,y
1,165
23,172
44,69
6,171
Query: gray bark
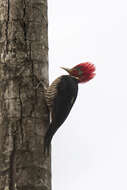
x,y
23,112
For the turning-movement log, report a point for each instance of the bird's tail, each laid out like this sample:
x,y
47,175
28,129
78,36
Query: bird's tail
x,y
47,139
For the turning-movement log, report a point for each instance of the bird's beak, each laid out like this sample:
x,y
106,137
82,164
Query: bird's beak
x,y
70,72
66,69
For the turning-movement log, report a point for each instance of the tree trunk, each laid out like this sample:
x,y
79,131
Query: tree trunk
x,y
23,112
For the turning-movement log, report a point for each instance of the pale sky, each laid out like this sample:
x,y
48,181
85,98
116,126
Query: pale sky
x,y
89,152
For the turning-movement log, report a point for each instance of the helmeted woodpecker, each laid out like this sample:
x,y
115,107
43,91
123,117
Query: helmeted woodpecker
x,y
61,95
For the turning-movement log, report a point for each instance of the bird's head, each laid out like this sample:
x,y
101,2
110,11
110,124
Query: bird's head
x,y
83,72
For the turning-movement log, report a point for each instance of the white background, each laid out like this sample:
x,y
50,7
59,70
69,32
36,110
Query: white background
x,y
89,152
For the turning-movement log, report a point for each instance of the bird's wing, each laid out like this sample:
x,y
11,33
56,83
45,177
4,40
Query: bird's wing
x,y
67,89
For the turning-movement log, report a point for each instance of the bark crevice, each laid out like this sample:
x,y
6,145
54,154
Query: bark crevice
x,y
21,113
24,21
7,22
12,164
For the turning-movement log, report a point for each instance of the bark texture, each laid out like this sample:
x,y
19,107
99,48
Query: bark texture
x,y
23,112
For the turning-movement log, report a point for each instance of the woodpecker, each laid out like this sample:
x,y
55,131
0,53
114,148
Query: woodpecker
x,y
61,95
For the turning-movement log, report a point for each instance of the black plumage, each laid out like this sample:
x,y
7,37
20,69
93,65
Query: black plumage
x,y
60,97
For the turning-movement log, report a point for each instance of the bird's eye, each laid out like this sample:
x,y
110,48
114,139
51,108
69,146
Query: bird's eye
x,y
80,72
